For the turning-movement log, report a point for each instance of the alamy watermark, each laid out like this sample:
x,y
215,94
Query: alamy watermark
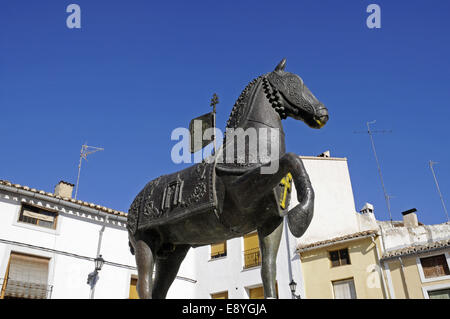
x,y
73,20
373,277
373,21
249,146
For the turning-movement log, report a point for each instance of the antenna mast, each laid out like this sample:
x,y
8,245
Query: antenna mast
x,y
386,196
437,186
85,151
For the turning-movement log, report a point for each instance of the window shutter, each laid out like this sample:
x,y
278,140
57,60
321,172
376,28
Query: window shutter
x,y
256,293
220,295
251,241
27,277
435,266
133,290
252,256
344,289
218,249
442,266
49,217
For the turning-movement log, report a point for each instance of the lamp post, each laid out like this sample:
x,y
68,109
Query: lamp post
x,y
93,276
293,286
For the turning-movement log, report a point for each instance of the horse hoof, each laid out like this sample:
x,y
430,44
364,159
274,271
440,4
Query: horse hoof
x,y
299,220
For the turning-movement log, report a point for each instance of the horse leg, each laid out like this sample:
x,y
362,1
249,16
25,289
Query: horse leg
x,y
301,215
269,244
144,262
254,184
167,269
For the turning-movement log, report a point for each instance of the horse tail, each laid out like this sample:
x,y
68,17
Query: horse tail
x,y
131,242
131,247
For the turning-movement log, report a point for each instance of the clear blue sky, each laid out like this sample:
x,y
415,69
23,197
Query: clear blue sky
x,y
138,69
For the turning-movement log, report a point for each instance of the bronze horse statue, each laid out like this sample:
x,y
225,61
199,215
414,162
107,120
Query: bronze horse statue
x,y
229,196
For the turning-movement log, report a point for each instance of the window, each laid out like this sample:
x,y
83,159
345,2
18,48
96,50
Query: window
x,y
435,266
220,295
339,257
37,216
258,292
252,256
439,294
133,291
344,289
26,277
219,250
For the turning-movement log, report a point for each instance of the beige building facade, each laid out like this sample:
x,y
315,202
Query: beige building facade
x,y
420,268
399,260
343,268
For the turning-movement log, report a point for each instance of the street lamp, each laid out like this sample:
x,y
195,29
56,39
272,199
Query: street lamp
x,y
99,261
93,276
293,286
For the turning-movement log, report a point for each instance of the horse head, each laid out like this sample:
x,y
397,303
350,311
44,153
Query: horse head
x,y
291,97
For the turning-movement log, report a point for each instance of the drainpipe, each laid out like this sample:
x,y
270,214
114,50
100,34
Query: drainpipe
x,y
389,280
380,271
402,268
288,248
99,245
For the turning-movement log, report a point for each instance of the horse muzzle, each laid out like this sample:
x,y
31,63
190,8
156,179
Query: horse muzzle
x,y
321,116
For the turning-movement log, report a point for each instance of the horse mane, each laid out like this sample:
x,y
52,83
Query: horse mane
x,y
241,103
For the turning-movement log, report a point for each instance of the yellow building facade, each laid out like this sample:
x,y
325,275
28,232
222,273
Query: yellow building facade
x,y
358,266
344,267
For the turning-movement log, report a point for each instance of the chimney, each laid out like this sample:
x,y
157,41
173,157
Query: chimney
x,y
367,211
324,154
64,189
410,218
367,208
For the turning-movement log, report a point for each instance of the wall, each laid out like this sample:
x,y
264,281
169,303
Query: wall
x,y
227,273
334,207
76,233
410,284
319,274
399,237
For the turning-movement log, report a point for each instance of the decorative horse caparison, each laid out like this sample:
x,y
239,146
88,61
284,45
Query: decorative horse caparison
x,y
214,201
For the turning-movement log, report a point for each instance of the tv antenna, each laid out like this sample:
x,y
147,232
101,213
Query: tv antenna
x,y
85,151
431,163
386,196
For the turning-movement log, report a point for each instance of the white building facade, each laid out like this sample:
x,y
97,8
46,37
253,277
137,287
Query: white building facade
x,y
48,243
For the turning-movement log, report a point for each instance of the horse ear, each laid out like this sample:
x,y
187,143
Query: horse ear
x,y
281,65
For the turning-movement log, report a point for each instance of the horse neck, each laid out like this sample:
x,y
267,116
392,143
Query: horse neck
x,y
254,111
252,107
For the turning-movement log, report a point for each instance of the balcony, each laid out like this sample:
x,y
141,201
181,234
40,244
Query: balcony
x,y
14,289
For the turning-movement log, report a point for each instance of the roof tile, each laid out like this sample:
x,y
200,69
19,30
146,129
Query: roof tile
x,y
72,200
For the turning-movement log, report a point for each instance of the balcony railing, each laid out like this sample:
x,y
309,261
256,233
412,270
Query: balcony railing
x,y
252,258
24,290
